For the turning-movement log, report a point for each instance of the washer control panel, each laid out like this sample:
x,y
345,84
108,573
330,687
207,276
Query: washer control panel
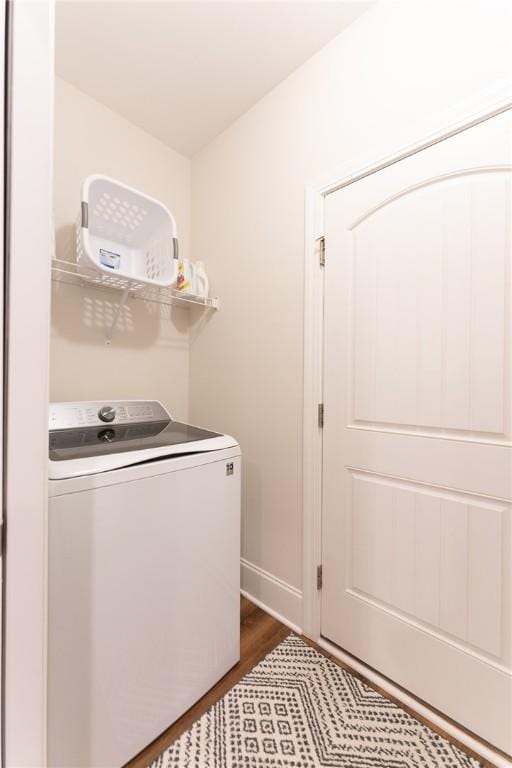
x,y
94,414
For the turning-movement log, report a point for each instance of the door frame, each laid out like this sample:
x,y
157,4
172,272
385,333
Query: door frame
x,y
28,245
483,106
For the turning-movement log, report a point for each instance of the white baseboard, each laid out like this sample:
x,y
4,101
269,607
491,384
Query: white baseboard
x,y
276,597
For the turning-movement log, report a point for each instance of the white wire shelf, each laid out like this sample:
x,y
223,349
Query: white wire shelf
x,y
69,272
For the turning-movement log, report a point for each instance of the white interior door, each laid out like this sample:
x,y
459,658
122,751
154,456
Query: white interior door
x,y
417,439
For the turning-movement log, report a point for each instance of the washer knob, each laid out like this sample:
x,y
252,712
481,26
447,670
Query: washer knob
x,y
107,413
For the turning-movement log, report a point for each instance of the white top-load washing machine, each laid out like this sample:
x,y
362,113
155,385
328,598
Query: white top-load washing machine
x,y
144,560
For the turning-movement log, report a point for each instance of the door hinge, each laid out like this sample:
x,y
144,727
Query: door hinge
x,y
321,250
319,576
320,415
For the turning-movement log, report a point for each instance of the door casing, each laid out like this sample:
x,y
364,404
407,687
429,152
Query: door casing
x,y
485,105
29,235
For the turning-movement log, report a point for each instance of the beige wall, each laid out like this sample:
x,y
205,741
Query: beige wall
x,y
392,72
149,356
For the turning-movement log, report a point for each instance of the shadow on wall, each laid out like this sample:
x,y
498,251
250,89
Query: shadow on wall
x,y
84,313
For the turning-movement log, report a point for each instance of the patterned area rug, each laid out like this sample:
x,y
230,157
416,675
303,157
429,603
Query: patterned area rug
x,y
298,709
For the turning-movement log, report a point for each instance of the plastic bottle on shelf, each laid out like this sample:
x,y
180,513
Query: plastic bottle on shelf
x,y
186,277
202,283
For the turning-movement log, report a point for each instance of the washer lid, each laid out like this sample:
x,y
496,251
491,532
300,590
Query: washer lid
x,y
123,455
92,442
87,438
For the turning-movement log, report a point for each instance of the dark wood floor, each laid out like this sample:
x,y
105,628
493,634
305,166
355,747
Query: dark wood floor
x,y
259,634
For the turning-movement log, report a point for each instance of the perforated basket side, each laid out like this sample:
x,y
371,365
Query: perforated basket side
x,y
123,214
159,263
118,218
125,217
78,239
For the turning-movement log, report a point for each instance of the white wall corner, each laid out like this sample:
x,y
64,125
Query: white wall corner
x,y
273,595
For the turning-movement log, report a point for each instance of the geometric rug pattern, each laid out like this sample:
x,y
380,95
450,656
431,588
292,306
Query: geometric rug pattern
x,y
298,709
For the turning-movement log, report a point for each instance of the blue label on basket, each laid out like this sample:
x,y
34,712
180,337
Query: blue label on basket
x,y
109,259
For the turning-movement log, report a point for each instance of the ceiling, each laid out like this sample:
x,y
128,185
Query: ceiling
x,y
184,70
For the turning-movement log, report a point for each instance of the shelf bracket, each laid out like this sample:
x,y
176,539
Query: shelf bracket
x,y
115,317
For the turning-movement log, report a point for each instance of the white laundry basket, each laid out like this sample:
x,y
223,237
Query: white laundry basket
x,y
124,239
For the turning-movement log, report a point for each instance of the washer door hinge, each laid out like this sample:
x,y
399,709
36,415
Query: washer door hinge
x,y
321,250
319,576
321,415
